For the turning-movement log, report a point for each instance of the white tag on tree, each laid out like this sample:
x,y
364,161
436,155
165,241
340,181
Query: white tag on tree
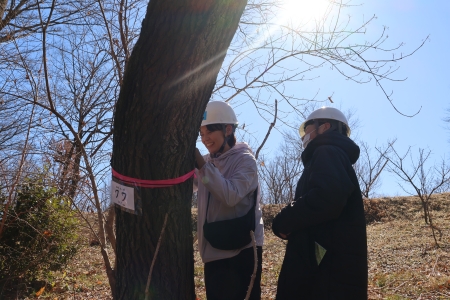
x,y
122,195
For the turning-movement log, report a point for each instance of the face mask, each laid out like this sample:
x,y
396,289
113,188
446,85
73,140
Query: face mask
x,y
307,138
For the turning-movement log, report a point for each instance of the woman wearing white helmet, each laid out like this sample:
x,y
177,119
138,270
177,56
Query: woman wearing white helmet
x,y
326,253
227,181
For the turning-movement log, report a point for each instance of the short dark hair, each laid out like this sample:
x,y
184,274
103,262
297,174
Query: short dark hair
x,y
216,127
311,122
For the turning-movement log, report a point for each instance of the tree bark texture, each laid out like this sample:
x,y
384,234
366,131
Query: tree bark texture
x,y
168,82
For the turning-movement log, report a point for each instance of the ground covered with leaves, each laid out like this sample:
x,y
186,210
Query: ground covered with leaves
x,y
404,262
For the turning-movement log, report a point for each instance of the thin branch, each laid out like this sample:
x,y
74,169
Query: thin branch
x,y
255,266
147,294
268,132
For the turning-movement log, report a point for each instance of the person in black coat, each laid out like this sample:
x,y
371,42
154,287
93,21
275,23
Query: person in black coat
x,y
326,253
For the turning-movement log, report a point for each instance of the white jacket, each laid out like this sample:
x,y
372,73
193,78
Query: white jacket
x,y
231,179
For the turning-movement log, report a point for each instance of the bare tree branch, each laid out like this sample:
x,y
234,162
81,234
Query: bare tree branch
x,y
424,181
268,132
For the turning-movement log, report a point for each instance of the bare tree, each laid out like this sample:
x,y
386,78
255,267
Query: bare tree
x,y
369,168
73,84
23,19
279,175
63,64
65,61
166,93
423,182
267,59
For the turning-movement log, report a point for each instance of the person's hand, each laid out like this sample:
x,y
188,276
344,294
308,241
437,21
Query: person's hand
x,y
277,223
284,236
199,160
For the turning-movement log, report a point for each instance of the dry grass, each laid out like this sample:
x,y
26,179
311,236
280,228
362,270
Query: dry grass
x,y
404,263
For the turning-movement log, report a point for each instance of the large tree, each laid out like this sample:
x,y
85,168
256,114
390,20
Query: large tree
x,y
62,65
167,84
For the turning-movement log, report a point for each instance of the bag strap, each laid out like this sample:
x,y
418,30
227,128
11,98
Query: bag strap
x,y
207,207
255,196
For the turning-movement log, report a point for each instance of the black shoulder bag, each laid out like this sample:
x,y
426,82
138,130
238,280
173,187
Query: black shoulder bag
x,y
230,234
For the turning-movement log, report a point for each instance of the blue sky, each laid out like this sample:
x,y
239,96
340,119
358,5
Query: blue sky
x,y
427,86
428,83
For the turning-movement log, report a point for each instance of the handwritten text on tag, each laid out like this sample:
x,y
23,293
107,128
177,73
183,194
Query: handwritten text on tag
x,y
122,195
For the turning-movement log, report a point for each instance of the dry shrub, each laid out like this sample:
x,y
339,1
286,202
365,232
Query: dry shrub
x,y
40,235
375,211
269,212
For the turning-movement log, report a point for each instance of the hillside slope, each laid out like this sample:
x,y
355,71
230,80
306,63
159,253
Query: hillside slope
x,y
403,261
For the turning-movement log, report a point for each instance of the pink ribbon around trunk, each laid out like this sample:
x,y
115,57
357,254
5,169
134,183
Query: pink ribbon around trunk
x,y
153,183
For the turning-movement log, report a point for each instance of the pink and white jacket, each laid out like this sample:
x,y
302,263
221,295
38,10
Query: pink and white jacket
x,y
231,179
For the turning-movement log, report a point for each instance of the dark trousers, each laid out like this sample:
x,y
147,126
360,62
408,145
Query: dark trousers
x,y
229,278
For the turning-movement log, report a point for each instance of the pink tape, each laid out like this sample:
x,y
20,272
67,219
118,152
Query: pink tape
x,y
153,183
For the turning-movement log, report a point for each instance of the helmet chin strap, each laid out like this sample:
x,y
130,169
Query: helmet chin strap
x,y
225,141
316,126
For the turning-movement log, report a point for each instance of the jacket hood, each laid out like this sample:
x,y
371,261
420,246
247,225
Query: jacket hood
x,y
238,148
332,138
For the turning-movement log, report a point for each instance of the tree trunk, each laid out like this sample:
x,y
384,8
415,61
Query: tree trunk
x,y
167,84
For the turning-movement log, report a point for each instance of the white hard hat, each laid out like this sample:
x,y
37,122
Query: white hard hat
x,y
325,113
218,112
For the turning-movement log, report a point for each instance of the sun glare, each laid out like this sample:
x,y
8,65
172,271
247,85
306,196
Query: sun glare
x,y
303,12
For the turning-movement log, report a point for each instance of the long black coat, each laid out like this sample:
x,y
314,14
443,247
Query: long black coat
x,y
328,211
